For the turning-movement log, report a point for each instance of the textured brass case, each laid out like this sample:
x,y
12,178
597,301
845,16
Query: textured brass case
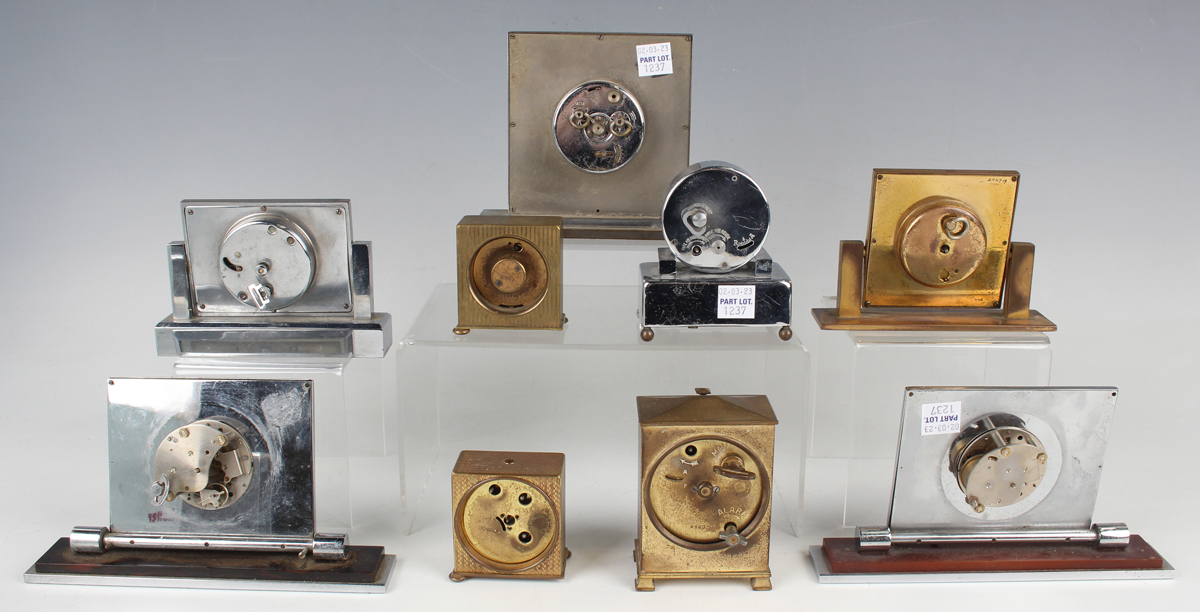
x,y
904,204
705,495
508,515
938,257
509,273
546,69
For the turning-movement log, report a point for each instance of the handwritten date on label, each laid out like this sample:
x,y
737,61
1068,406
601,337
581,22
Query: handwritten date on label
x,y
654,60
941,418
735,301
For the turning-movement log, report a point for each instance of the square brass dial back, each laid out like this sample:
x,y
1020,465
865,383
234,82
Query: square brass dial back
x,y
938,238
509,272
707,464
508,515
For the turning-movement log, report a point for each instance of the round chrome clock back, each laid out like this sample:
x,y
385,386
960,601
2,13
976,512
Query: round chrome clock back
x,y
599,126
715,217
267,261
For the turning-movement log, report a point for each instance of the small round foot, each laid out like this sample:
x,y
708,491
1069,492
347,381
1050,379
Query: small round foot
x,y
565,319
644,584
462,331
785,333
761,584
568,550
457,577
647,334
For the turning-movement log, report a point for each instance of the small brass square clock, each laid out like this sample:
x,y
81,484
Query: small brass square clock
x,y
508,515
705,497
509,273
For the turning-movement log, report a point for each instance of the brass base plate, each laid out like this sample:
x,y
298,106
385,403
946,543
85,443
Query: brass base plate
x,y
759,581
924,319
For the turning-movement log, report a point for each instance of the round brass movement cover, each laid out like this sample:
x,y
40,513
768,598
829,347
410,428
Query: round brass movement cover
x,y
940,242
509,276
506,523
997,462
697,489
599,126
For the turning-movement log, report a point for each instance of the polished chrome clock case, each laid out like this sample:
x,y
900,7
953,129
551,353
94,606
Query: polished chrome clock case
x,y
995,484
714,271
271,277
211,486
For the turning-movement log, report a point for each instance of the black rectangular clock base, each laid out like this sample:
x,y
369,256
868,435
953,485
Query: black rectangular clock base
x,y
674,295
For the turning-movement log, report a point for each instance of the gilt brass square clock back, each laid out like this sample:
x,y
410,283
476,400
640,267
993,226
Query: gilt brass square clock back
x,y
939,238
508,515
707,463
509,272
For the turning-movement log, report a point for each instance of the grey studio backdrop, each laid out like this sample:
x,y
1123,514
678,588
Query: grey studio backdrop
x,y
111,113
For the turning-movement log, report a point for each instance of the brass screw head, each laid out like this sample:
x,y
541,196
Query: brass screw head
x,y
1004,452
183,433
1042,457
221,440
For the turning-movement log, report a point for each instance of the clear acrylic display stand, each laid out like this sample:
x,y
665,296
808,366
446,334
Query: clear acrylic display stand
x,y
350,421
859,393
573,391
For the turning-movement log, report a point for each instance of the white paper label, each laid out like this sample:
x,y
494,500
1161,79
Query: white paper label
x,y
735,301
654,60
941,418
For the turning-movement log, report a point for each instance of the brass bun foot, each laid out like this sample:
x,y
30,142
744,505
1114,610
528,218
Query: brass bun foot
x,y
785,334
761,584
461,331
457,577
647,334
644,584
568,551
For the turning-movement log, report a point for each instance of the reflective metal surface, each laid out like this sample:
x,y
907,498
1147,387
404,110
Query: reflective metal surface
x,y
319,546
674,295
340,336
257,257
599,126
826,576
715,217
271,277
277,415
181,282
1071,423
362,282
1104,535
544,67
